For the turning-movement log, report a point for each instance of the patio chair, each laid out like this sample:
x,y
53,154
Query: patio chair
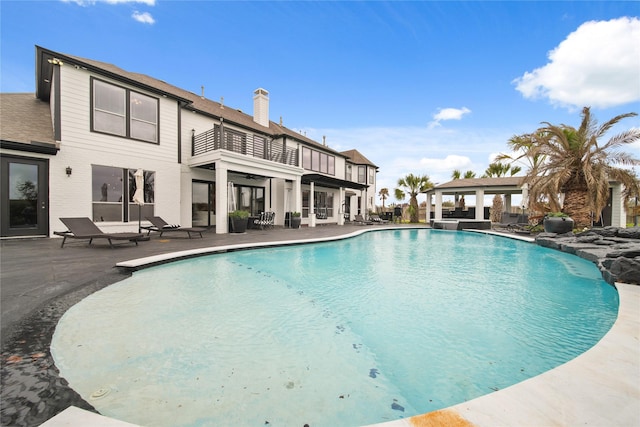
x,y
84,228
267,219
358,219
160,225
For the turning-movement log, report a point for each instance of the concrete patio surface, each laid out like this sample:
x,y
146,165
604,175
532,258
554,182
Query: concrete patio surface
x,y
40,281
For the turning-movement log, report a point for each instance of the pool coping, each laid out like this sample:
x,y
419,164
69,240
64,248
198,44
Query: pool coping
x,y
599,387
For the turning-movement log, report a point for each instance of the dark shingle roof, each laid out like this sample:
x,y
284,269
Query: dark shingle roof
x,y
189,99
25,119
356,157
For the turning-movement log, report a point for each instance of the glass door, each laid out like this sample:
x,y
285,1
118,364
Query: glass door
x,y
203,204
25,197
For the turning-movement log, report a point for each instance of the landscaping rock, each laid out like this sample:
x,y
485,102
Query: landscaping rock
x,y
626,270
616,251
629,233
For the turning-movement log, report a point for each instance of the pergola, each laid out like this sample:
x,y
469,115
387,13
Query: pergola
x,y
478,187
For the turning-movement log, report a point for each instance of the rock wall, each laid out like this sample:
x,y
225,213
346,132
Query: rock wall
x,y
616,251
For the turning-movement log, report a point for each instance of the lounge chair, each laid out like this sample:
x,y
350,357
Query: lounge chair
x,y
377,220
160,225
84,228
358,219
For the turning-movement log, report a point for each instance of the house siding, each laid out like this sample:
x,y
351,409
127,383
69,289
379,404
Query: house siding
x,y
81,149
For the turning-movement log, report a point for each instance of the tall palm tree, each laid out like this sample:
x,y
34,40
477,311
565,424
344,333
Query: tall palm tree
x,y
384,194
575,163
413,185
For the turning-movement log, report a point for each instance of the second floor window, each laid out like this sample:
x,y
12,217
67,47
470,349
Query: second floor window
x,y
124,112
317,161
362,177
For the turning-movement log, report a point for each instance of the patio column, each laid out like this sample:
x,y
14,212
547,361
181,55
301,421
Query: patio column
x,y
222,217
339,210
507,203
297,194
479,204
438,213
312,205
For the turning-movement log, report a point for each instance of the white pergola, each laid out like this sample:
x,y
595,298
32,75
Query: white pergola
x,y
478,187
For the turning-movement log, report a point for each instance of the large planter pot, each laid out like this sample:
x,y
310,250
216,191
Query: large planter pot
x,y
558,225
238,225
295,221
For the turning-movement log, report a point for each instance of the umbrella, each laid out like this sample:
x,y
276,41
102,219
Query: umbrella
x,y
138,196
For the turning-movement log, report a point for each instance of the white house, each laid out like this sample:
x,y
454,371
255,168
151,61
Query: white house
x,y
73,147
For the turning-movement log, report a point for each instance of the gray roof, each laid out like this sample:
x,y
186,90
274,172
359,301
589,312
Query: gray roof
x,y
188,99
490,185
356,157
25,119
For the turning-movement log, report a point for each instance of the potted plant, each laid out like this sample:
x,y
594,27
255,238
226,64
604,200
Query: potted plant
x,y
295,219
238,220
557,222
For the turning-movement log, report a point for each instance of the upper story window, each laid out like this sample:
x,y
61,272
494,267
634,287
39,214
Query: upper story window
x,y
318,161
362,176
123,112
372,175
348,175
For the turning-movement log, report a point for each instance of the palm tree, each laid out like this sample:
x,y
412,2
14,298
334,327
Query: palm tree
x,y
498,169
495,170
456,174
576,164
383,193
413,185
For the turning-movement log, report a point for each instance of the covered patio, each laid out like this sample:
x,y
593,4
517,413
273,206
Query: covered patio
x,y
478,188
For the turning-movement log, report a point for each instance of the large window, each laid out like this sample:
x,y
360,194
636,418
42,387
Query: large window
x,y
250,199
111,186
318,161
323,204
123,112
362,176
348,176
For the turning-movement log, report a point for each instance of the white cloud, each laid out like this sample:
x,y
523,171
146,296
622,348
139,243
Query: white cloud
x,y
597,65
448,114
144,17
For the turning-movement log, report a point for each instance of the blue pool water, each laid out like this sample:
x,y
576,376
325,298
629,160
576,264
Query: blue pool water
x,y
382,326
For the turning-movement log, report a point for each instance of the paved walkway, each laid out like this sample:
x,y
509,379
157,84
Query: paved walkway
x,y
40,281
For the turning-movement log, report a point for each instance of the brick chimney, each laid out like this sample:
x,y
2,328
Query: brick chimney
x,y
261,107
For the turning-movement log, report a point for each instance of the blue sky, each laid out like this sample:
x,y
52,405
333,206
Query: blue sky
x,y
417,87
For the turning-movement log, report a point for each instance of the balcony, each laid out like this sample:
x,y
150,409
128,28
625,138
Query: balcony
x,y
247,144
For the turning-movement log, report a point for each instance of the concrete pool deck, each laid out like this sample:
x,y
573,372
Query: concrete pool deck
x,y
600,387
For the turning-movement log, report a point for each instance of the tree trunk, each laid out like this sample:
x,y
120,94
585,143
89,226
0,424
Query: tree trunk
x,y
413,218
576,205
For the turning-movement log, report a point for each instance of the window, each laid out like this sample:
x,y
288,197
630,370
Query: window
x,y
362,174
317,161
323,204
110,186
306,158
347,174
123,112
250,199
372,175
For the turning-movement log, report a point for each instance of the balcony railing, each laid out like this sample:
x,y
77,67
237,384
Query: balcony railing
x,y
247,144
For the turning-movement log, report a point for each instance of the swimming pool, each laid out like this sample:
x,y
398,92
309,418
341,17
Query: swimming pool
x,y
386,325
